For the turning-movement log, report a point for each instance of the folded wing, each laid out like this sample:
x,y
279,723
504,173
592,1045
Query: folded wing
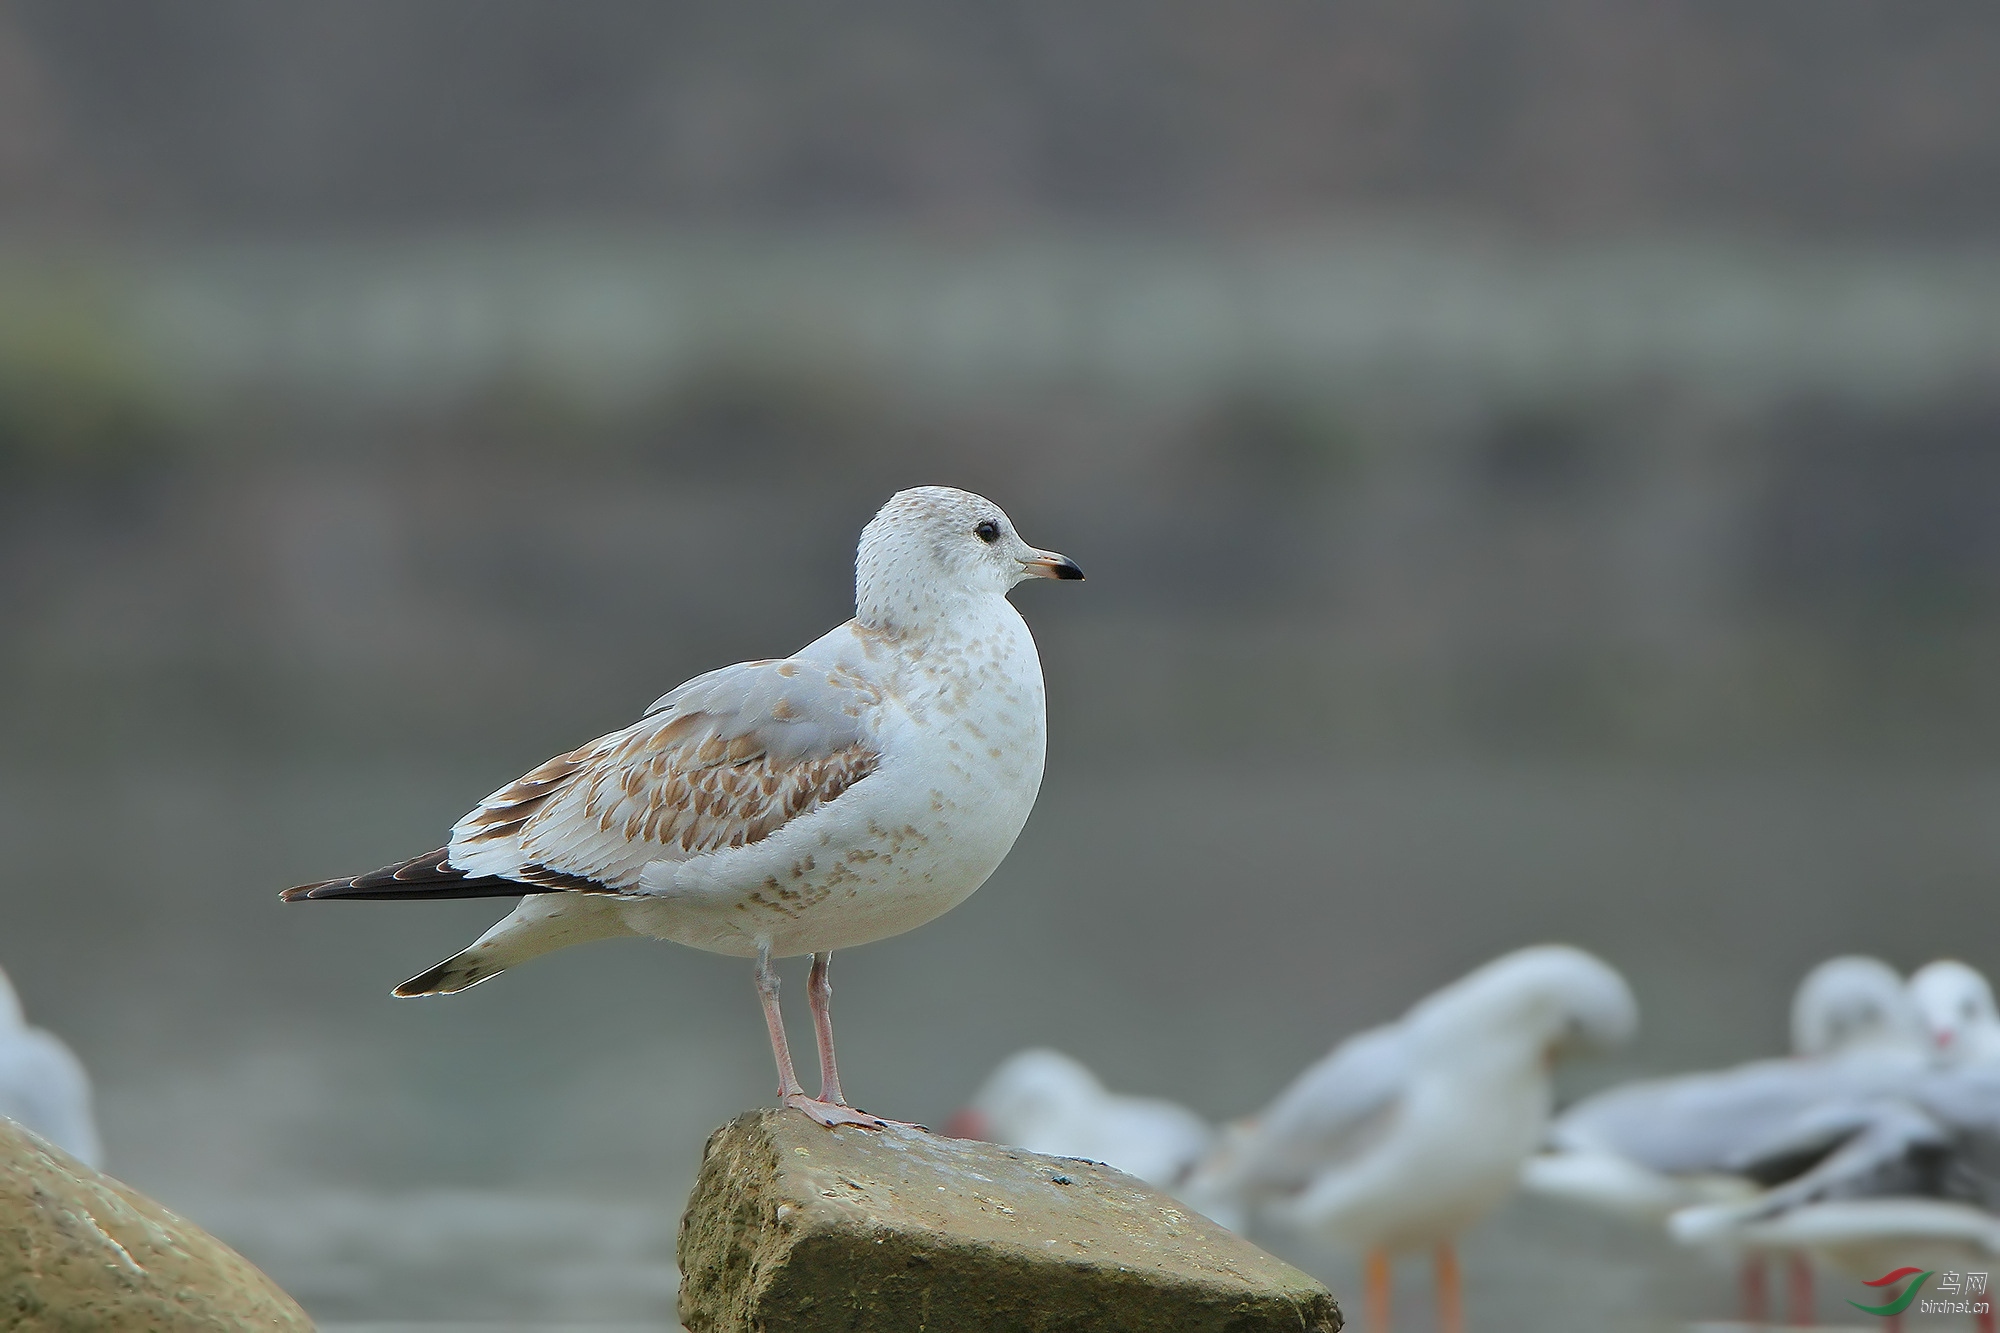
x,y
723,761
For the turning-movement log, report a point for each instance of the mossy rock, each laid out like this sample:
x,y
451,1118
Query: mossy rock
x,y
793,1228
82,1253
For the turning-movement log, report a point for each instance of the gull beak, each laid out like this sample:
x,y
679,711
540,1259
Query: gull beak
x,y
1049,565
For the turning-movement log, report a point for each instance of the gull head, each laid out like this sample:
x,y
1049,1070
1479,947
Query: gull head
x,y
1851,1001
1551,999
1955,1003
932,549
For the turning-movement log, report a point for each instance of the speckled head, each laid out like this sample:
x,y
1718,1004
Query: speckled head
x,y
932,550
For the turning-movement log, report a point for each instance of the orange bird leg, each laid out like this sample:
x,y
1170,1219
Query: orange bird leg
x,y
1799,1298
1451,1291
1756,1305
1377,1265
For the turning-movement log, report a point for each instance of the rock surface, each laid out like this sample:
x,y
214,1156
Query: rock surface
x,y
794,1228
81,1253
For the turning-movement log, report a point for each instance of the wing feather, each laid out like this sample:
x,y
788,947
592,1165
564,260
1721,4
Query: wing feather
x,y
723,761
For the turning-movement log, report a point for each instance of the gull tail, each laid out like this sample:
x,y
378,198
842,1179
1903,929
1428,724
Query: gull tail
x,y
428,876
543,923
456,973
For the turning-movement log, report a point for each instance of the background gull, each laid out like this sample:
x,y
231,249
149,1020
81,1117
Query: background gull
x,y
1048,1102
847,793
1649,1148
43,1085
1955,1002
1407,1134
1868,1182
1646,1148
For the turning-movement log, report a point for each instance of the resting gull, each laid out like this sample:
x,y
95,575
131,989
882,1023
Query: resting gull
x,y
1647,1148
1873,1180
850,792
1407,1134
1956,1004
1048,1102
43,1085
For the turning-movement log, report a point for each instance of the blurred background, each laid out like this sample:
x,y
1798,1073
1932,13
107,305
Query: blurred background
x,y
1536,467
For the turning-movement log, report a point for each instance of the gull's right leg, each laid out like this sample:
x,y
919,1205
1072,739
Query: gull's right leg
x,y
1756,1295
1378,1291
1450,1291
790,1093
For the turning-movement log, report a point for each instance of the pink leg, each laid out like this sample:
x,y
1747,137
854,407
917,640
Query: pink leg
x,y
1799,1310
790,1093
1756,1303
819,990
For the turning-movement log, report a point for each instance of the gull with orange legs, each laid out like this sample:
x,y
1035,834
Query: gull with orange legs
x,y
1405,1135
798,805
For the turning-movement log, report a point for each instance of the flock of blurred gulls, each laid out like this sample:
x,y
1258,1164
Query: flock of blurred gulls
x,y
1875,1144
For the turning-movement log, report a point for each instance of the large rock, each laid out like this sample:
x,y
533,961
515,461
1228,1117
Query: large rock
x,y
794,1228
81,1253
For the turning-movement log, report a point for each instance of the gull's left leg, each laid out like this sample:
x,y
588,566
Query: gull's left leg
x,y
789,1091
1451,1300
1380,1283
1799,1310
819,991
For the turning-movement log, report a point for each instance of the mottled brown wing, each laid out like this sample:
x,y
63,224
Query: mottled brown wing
x,y
723,761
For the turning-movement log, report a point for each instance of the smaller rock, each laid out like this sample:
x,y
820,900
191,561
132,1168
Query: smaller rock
x,y
82,1253
796,1229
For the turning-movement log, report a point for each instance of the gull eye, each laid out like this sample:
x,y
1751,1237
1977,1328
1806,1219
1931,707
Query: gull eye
x,y
988,531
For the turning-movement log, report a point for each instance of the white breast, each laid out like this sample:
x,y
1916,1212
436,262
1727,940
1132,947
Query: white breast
x,y
963,736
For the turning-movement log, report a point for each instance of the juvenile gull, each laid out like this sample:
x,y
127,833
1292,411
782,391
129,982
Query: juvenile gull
x,y
852,791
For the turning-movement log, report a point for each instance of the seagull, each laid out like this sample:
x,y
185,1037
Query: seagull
x,y
1956,1005
850,792
1649,1148
1047,1102
1871,1181
1406,1134
43,1086
1646,1148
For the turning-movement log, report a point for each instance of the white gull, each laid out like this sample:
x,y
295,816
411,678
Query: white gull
x,y
1407,1134
1047,1102
1955,1003
850,792
43,1085
1646,1148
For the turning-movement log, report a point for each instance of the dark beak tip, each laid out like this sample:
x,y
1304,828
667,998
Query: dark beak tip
x,y
1068,570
